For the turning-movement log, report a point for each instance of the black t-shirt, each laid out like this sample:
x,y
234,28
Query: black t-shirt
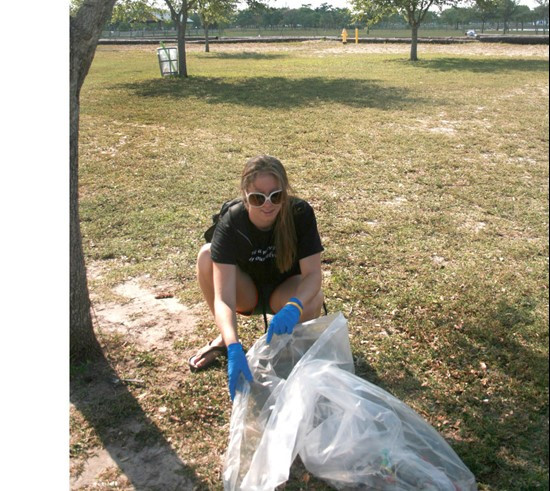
x,y
238,241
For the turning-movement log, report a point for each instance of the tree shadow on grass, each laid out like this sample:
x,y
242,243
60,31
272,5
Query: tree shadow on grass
x,y
133,441
485,65
510,421
279,92
496,417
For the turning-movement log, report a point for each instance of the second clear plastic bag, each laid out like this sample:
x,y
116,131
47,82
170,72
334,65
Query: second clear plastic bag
x,y
306,400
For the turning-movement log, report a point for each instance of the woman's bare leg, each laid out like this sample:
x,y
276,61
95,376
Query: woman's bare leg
x,y
287,289
247,295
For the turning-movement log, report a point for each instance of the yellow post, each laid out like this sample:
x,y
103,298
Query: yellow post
x,y
344,36
356,35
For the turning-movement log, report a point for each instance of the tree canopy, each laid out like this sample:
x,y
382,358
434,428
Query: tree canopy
x,y
129,14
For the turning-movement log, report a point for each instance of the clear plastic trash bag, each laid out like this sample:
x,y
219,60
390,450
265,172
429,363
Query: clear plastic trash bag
x,y
305,400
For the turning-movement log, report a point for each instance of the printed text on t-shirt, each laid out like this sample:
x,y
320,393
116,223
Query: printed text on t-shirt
x,y
261,255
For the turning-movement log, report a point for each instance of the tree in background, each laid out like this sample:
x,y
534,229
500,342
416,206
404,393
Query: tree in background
x,y
271,17
457,17
541,13
522,15
506,10
126,12
323,16
250,17
179,11
87,18
414,12
485,10
213,12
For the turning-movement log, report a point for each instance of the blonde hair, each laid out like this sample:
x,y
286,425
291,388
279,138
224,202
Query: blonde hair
x,y
285,233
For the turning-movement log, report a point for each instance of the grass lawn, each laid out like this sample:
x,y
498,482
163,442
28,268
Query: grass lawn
x,y
430,185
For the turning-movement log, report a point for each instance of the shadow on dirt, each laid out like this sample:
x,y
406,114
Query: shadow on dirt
x,y
133,441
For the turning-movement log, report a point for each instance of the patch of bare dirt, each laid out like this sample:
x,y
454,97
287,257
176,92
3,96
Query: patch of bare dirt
x,y
474,49
150,315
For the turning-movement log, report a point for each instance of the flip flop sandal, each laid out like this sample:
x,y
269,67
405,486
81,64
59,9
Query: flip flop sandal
x,y
203,352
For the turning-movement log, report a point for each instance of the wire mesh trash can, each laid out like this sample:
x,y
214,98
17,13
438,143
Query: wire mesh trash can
x,y
168,61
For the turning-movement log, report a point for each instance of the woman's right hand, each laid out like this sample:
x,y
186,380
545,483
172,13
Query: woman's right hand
x,y
236,364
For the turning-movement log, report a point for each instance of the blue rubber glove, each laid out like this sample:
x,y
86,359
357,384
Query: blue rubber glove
x,y
236,364
283,322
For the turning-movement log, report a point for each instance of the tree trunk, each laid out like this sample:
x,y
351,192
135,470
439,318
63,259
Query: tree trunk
x,y
414,43
206,43
85,29
182,59
83,343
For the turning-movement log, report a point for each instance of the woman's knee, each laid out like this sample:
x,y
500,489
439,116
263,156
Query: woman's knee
x,y
313,308
204,260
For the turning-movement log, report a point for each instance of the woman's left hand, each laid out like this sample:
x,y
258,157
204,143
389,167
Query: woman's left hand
x,y
283,322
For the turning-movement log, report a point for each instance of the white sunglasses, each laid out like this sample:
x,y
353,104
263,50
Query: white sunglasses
x,y
257,200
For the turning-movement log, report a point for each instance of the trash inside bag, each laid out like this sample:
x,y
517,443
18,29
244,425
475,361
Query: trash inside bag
x,y
306,401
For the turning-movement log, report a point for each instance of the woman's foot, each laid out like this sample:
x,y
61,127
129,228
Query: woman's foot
x,y
207,355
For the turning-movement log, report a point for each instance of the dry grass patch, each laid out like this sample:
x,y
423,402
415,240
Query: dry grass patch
x,y
430,185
